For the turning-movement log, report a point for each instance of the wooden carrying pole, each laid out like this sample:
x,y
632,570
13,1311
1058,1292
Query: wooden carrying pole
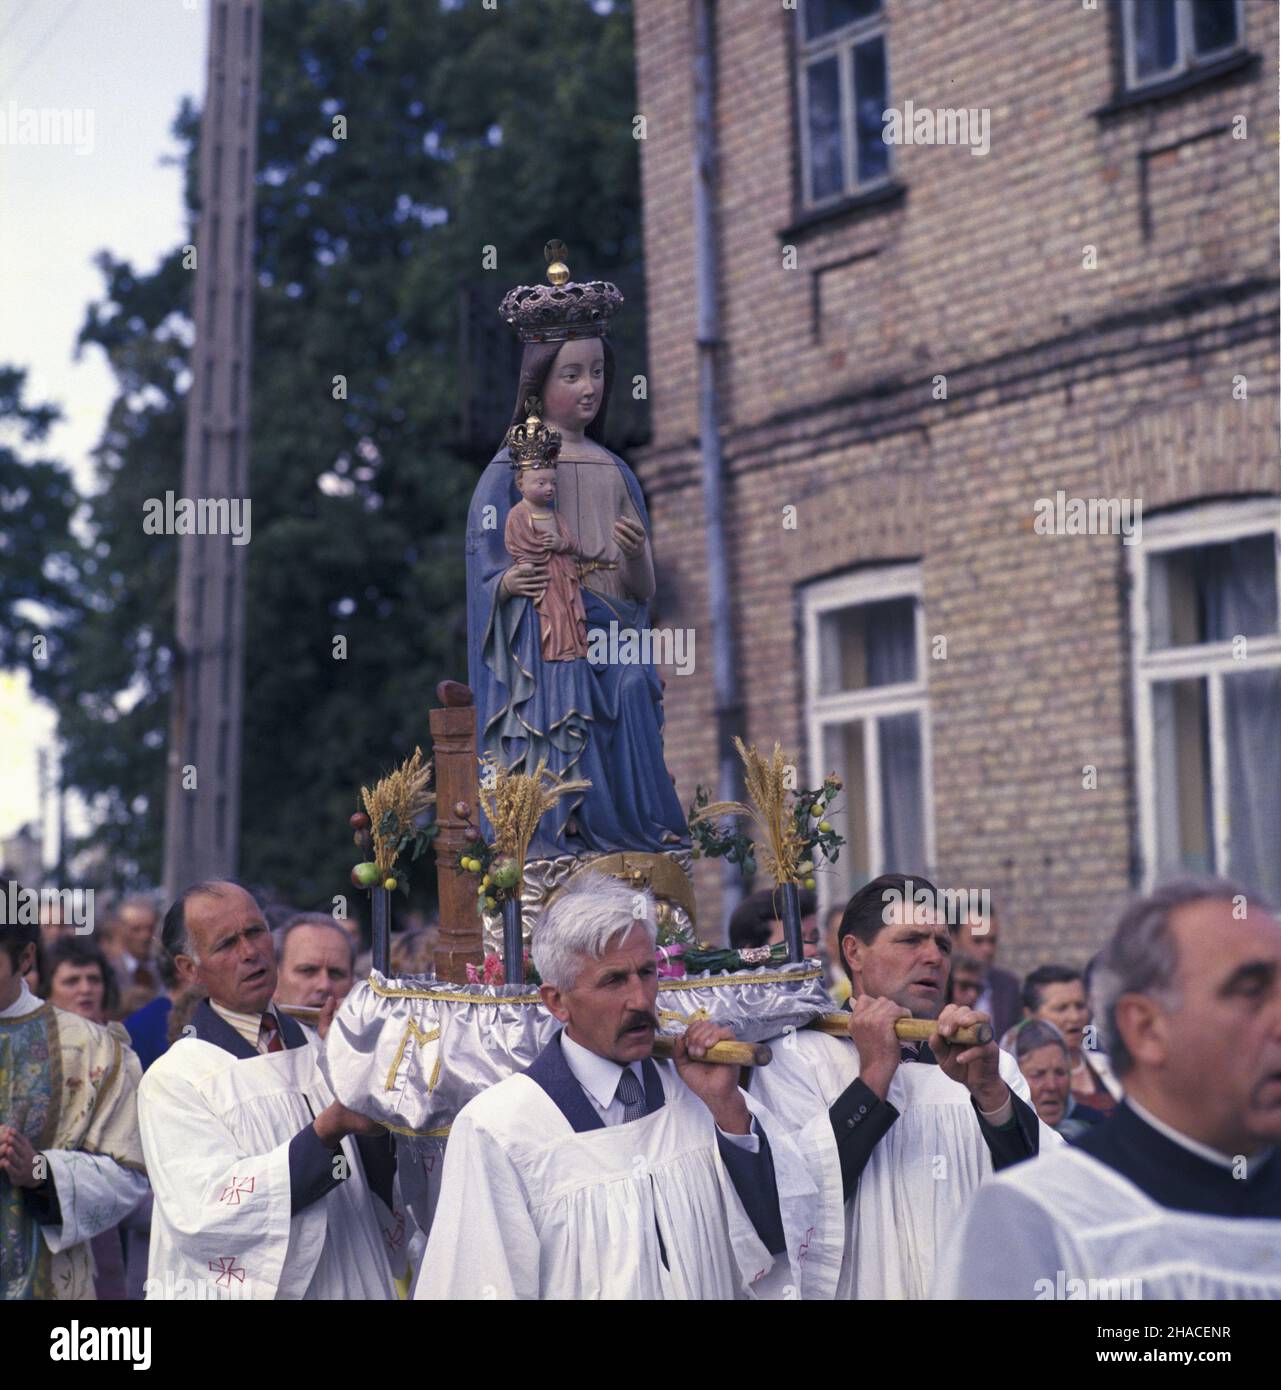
x,y
907,1030
733,1053
453,733
730,1053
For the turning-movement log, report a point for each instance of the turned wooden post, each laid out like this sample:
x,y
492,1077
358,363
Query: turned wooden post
x,y
453,733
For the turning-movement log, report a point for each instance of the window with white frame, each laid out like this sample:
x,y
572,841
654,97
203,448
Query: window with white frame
x,y
867,712
1206,634
1166,38
843,84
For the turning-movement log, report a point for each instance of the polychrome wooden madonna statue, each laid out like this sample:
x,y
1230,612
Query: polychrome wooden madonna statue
x,y
539,699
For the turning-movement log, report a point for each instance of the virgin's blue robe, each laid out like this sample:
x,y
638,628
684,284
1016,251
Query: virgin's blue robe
x,y
599,722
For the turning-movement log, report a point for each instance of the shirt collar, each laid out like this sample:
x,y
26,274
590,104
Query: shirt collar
x,y
249,1025
598,1076
25,1003
1192,1146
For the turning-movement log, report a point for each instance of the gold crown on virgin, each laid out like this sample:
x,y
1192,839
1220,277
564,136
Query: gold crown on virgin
x,y
561,309
531,443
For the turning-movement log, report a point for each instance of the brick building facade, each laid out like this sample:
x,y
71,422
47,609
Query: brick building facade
x,y
919,343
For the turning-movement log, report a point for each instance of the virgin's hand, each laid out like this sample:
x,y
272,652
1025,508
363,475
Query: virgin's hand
x,y
629,536
526,580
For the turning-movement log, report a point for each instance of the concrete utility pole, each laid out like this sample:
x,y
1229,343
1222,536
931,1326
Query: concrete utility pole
x,y
202,808
729,707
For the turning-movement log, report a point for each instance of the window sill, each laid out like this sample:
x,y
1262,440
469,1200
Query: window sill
x,y
884,195
1228,66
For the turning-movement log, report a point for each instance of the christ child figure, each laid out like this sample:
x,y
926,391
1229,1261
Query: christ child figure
x,y
536,534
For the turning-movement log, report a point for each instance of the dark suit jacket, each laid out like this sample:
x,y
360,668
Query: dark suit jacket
x,y
311,1165
1007,1000
149,1030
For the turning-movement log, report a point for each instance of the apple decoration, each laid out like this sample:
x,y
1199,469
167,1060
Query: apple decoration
x,y
505,874
366,875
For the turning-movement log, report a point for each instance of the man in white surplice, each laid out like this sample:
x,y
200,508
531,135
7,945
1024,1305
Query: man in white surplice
x,y
1178,1194
262,1179
599,1173
899,1137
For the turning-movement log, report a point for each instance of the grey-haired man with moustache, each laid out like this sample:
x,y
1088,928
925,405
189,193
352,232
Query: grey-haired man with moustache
x,y
599,1173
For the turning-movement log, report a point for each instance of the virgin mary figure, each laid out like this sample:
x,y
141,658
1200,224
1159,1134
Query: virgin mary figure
x,y
589,717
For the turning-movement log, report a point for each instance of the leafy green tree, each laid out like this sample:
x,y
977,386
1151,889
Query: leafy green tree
x,y
37,550
461,129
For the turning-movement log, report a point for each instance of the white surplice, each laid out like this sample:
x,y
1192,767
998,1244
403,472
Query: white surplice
x,y
1066,1226
916,1186
216,1131
529,1208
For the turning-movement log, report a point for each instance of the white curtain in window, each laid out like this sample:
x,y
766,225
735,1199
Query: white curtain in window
x,y
891,660
891,642
1239,589
1252,715
1165,750
902,794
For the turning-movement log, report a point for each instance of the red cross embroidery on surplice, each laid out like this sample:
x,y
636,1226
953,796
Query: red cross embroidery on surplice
x,y
231,1195
227,1270
396,1236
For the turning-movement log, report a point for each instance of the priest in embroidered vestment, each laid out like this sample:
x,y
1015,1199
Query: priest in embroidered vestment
x,y
70,1156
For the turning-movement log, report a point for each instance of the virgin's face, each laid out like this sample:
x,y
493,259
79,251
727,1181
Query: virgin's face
x,y
575,385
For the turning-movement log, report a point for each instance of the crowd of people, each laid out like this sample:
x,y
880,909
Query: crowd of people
x,y
167,1130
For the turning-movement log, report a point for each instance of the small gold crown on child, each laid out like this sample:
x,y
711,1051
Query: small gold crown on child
x,y
531,443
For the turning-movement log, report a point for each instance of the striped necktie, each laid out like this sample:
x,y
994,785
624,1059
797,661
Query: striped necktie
x,y
270,1030
632,1094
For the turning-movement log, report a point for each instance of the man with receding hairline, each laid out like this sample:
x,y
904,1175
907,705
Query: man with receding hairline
x,y
899,1135
262,1179
1178,1195
317,960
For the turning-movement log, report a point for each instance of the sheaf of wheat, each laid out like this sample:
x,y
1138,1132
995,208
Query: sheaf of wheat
x,y
516,801
767,792
405,791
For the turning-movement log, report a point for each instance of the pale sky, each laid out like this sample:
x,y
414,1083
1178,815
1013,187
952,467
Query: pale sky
x,y
121,67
